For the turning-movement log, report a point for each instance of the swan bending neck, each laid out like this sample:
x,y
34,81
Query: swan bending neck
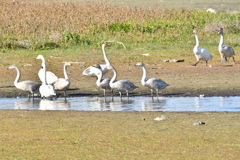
x,y
114,75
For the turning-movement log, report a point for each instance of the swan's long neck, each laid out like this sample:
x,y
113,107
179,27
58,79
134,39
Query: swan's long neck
x,y
18,76
43,62
65,71
44,73
221,40
143,81
197,41
114,75
99,77
105,55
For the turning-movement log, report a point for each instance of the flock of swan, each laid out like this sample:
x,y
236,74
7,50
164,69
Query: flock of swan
x,y
51,83
226,52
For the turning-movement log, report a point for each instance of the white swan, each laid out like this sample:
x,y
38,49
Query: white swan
x,y
201,53
121,85
102,82
91,71
29,86
63,83
46,90
152,83
225,51
51,77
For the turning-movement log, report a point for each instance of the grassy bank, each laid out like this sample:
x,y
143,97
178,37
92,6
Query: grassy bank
x,y
59,25
118,135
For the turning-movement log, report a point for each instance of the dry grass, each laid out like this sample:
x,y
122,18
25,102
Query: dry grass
x,y
60,24
118,135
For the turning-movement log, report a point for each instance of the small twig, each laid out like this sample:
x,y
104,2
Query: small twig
x,y
114,41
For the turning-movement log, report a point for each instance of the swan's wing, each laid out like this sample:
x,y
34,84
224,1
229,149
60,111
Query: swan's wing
x,y
204,54
155,83
30,86
126,85
51,77
227,50
62,84
105,83
93,71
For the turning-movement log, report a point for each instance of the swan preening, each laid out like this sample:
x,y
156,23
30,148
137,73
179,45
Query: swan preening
x,y
224,50
46,90
63,84
91,71
29,86
201,53
121,85
152,83
102,82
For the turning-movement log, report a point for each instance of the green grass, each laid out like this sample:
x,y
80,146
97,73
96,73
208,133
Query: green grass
x,y
118,135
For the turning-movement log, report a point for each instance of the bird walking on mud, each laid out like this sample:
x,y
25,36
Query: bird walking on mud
x,y
201,53
225,50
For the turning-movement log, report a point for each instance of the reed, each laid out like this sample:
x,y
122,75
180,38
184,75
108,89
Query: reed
x,y
61,24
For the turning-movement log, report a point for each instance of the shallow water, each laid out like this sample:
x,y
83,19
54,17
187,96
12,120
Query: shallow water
x,y
138,103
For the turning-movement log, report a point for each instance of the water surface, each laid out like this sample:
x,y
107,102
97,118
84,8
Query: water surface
x,y
138,103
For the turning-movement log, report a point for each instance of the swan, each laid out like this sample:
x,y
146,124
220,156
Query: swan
x,y
201,53
225,51
30,86
46,90
102,82
121,85
152,83
51,77
63,83
91,71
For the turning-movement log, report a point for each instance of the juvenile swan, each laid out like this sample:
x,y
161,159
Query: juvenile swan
x,y
201,53
91,71
63,83
225,51
29,86
121,85
46,90
152,83
102,82
51,77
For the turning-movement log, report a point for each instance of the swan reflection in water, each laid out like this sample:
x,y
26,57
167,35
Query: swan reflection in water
x,y
152,105
105,104
58,104
27,104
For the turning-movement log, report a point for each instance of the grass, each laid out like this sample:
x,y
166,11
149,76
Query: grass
x,y
118,135
52,25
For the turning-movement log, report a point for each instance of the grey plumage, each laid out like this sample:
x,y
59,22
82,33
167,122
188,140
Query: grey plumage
x,y
102,82
152,83
29,86
225,50
121,85
63,83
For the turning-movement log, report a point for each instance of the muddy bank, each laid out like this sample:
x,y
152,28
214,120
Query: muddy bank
x,y
184,80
